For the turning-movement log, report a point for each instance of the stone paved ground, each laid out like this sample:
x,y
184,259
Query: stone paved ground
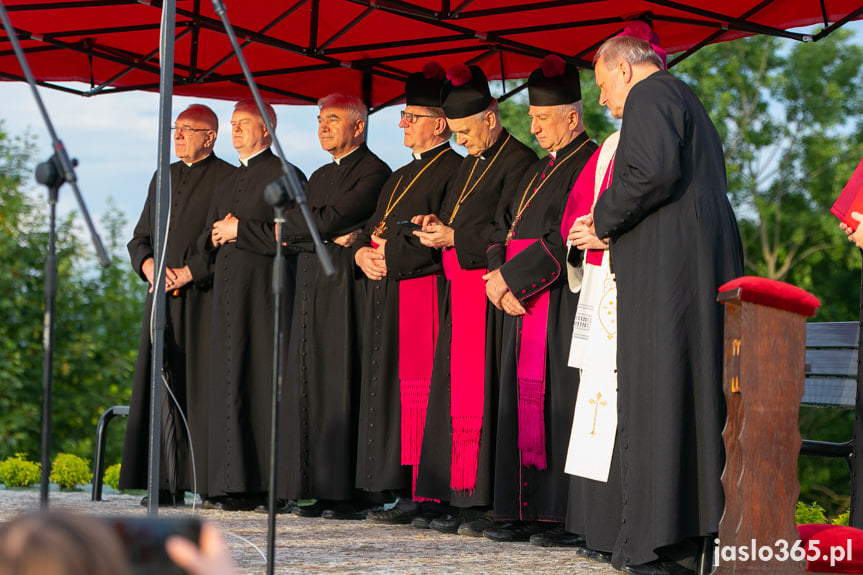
x,y
312,546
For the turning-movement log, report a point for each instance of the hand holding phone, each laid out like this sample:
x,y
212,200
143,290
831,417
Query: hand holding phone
x,y
410,225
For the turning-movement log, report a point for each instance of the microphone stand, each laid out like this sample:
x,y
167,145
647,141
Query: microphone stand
x,y
53,173
290,184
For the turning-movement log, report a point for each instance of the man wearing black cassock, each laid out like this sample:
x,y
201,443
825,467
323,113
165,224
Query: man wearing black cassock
x,y
457,463
674,241
241,238
400,318
321,395
188,282
528,256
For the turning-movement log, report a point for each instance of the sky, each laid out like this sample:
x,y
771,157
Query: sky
x,y
114,138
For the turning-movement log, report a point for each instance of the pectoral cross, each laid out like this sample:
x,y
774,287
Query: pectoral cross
x,y
596,403
379,229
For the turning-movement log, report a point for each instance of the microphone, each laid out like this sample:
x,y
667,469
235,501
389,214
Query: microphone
x,y
276,194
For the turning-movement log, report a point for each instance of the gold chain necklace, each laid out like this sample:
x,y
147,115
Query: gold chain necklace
x,y
525,201
465,193
382,225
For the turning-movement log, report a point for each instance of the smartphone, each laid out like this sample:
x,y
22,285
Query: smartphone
x,y
144,541
410,225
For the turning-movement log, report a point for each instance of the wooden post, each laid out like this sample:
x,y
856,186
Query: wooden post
x,y
763,379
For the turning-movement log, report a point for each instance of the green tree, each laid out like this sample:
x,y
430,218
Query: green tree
x,y
97,319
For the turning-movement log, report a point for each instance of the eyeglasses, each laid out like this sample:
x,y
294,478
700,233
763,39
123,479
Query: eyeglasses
x,y
412,118
186,129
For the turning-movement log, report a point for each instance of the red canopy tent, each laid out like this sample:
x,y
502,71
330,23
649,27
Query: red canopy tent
x,y
301,50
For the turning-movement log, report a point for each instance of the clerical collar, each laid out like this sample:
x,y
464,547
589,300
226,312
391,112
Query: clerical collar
x,y
419,156
553,154
338,161
245,161
198,162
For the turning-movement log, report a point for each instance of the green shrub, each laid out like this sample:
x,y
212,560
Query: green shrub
x,y
18,472
70,470
842,518
812,513
112,476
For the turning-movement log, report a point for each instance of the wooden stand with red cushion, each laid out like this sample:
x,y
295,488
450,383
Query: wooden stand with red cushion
x,y
765,344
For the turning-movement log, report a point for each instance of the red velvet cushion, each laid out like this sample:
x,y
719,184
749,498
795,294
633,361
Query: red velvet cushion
x,y
774,293
833,543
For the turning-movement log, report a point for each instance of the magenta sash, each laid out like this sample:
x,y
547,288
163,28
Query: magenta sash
x,y
467,368
581,200
531,371
418,327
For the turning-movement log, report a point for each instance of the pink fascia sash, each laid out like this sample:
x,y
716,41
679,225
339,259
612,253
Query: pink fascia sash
x,y
531,371
418,328
581,200
467,368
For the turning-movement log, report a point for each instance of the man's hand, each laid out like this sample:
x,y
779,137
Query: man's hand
x,y
435,234
348,239
224,230
583,235
495,287
854,236
372,262
148,268
511,305
175,278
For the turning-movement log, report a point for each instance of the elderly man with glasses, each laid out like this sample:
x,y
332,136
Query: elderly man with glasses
x,y
400,320
188,281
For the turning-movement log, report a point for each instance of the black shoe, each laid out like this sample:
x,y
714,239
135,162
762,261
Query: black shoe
x,y
348,511
395,516
557,537
600,556
283,506
167,499
239,502
447,523
313,510
658,568
476,527
424,519
516,531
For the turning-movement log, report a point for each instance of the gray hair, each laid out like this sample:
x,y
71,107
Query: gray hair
x,y
357,110
566,108
252,107
203,114
633,50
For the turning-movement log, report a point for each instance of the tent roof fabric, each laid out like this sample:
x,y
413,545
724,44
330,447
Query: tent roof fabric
x,y
301,50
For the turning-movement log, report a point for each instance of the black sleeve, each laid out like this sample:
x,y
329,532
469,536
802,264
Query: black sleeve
x,y
140,247
647,163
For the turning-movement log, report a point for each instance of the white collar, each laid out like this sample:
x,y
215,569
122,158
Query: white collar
x,y
245,161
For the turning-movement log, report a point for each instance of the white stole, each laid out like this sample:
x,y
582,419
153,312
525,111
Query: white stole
x,y
594,351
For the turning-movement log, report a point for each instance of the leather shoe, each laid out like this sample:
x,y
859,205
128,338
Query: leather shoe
x,y
283,506
516,531
557,537
235,502
395,516
166,499
476,527
347,511
658,568
600,556
447,523
313,510
424,519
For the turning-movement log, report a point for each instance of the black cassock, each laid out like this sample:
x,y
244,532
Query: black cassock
x,y
320,398
241,366
674,241
525,492
473,227
186,336
379,465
